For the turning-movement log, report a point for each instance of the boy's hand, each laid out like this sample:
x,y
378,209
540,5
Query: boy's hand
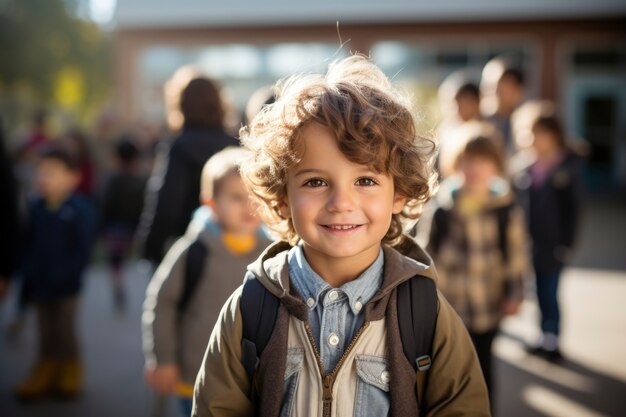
x,y
511,307
163,379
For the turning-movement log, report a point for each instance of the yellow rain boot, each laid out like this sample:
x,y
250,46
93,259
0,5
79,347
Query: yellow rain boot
x,y
40,383
69,383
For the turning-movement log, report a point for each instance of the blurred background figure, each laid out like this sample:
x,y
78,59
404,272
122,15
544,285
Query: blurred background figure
x,y
503,88
195,107
197,276
9,218
76,142
551,191
258,100
477,239
460,101
122,203
58,245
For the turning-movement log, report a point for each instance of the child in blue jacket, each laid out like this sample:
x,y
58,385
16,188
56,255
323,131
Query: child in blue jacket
x,y
58,243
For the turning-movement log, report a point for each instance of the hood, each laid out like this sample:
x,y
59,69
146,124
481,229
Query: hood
x,y
401,264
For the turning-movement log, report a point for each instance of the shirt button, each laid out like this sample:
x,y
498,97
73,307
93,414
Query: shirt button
x,y
333,339
385,376
333,295
310,302
358,306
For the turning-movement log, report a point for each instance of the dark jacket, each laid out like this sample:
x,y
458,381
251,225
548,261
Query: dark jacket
x,y
9,215
173,193
553,211
58,247
123,200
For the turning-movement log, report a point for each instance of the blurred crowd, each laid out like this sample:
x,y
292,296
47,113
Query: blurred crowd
x,y
504,220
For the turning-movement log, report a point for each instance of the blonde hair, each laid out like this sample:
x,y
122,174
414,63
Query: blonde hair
x,y
372,122
217,168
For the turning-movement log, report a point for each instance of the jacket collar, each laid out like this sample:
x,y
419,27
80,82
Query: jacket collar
x,y
401,264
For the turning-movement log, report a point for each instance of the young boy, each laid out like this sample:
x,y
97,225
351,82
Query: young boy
x,y
478,242
337,167
176,332
58,246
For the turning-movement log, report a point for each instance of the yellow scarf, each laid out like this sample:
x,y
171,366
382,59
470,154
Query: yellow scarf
x,y
237,244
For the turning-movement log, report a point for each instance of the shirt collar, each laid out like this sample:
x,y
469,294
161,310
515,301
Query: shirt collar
x,y
311,286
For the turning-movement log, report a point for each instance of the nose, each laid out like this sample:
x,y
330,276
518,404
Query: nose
x,y
340,199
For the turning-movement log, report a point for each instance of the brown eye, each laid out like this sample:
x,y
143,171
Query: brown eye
x,y
366,182
314,183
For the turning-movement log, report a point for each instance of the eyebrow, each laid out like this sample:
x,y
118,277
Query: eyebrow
x,y
322,172
308,171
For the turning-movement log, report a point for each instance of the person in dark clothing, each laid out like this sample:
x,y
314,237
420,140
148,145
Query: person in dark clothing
x,y
551,191
122,203
58,245
172,193
9,219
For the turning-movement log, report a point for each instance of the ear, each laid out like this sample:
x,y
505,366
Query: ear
x,y
210,203
398,203
283,209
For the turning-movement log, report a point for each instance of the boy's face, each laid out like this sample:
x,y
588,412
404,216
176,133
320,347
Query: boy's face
x,y
509,94
478,171
339,209
232,207
55,181
544,142
468,107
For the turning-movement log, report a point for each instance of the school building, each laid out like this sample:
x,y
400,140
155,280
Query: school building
x,y
572,51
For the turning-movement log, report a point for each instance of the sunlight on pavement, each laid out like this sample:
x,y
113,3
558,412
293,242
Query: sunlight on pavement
x,y
593,311
552,404
513,352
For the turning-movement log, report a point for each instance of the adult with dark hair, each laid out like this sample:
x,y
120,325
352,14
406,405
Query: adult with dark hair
x,y
8,218
460,101
173,189
467,100
551,191
503,88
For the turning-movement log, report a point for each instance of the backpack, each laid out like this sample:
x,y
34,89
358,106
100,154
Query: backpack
x,y
196,254
417,306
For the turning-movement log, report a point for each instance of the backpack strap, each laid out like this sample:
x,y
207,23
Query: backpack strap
x,y
194,264
503,214
417,317
259,309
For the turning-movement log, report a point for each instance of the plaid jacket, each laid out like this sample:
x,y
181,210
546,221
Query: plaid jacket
x,y
480,266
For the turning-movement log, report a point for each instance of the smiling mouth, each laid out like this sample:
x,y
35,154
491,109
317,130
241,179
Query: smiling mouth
x,y
341,226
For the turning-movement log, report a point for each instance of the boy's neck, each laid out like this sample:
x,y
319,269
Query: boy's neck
x,y
337,271
477,191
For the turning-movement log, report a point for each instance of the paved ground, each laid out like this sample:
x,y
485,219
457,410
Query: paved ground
x,y
592,382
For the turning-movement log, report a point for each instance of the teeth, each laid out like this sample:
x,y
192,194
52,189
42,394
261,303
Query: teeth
x,y
342,227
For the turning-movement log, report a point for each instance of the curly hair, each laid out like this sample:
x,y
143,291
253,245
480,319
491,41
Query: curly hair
x,y
373,124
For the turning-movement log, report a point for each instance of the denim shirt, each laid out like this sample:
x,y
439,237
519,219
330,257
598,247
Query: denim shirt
x,y
334,313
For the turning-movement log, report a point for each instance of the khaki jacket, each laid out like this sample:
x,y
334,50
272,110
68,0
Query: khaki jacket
x,y
290,382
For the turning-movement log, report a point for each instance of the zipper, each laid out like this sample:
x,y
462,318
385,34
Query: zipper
x,y
328,378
